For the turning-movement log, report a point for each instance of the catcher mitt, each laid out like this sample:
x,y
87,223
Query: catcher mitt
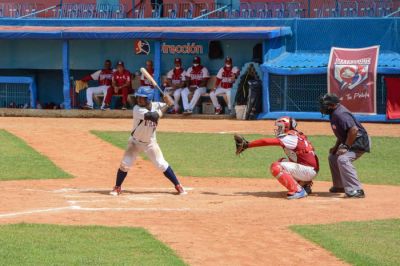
x,y
241,144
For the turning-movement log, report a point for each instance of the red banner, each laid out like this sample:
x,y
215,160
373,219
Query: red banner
x,y
352,77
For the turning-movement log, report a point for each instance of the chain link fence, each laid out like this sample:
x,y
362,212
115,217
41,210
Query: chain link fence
x,y
300,93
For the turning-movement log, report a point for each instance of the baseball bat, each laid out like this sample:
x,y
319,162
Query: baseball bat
x,y
151,79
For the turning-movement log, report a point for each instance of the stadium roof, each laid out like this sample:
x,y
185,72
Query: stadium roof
x,y
128,32
304,63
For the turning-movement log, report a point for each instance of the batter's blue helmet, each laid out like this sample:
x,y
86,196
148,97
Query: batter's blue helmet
x,y
145,92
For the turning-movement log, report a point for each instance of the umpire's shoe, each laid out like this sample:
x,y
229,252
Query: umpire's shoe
x,y
356,194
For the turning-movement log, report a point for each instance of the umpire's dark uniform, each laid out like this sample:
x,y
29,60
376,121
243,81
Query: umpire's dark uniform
x,y
344,175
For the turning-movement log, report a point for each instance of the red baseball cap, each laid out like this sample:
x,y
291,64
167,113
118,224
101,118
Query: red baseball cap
x,y
120,63
228,60
178,61
196,60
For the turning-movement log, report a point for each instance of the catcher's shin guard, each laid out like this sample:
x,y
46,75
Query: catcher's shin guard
x,y
284,178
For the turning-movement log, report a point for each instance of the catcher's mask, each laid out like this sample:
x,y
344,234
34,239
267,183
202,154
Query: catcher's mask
x,y
327,103
283,125
145,92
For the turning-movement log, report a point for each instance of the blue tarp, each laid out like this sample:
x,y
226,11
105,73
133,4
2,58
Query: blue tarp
x,y
306,63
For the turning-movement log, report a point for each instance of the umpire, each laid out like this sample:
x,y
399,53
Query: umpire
x,y
352,142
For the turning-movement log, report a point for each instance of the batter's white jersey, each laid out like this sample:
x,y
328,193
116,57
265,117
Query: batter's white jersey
x,y
144,131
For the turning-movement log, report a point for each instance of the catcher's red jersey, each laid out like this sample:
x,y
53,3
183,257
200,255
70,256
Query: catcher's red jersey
x,y
299,149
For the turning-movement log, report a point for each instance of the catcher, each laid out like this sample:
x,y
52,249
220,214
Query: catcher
x,y
297,172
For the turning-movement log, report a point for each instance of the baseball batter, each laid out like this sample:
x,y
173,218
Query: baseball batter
x,y
143,139
297,171
104,78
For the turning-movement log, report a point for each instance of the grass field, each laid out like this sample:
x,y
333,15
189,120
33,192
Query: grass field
x,y
19,161
212,155
358,243
39,244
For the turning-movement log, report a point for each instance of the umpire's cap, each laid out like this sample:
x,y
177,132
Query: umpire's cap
x,y
326,100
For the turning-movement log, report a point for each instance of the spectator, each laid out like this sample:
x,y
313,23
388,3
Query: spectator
x,y
197,77
121,85
175,82
225,78
104,78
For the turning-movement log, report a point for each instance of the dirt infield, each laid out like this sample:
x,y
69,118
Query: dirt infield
x,y
220,222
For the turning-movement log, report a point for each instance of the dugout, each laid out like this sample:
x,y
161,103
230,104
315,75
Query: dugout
x,y
57,50
295,52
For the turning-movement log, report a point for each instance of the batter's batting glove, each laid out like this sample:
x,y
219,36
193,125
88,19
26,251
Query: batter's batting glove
x,y
241,144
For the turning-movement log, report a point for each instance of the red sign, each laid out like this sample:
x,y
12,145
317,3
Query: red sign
x,y
352,77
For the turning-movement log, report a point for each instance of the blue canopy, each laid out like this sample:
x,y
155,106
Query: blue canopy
x,y
306,63
136,32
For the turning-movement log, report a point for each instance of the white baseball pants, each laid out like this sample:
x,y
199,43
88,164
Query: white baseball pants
x,y
221,91
299,172
95,90
196,96
176,94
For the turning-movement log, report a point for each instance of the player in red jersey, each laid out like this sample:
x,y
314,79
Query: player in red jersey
x,y
197,77
121,84
175,83
301,166
225,78
103,77
144,82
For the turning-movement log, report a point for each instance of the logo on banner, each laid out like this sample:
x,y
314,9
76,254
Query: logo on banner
x,y
188,48
142,47
352,76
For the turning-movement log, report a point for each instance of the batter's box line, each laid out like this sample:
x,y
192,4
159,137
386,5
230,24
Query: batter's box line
x,y
86,209
65,190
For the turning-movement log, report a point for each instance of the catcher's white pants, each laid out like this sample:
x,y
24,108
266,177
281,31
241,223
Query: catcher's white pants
x,y
95,90
176,94
151,149
221,91
299,172
196,96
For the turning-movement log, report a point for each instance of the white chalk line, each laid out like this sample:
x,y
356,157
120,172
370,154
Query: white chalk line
x,y
139,189
79,208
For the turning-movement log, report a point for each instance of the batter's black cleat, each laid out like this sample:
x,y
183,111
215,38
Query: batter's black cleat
x,y
356,194
336,190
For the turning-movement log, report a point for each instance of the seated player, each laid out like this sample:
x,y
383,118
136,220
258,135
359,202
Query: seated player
x,y
225,78
297,172
121,85
175,82
197,77
104,78
144,82
146,115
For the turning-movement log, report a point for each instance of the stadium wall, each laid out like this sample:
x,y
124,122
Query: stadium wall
x,y
308,35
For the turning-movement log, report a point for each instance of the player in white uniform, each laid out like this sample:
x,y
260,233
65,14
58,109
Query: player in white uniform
x,y
104,78
143,139
197,77
225,78
175,83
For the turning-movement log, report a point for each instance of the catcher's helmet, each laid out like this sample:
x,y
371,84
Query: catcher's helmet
x,y
284,124
145,92
326,101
